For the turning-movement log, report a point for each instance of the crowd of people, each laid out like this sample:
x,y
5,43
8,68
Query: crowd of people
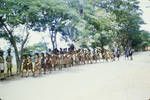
x,y
39,63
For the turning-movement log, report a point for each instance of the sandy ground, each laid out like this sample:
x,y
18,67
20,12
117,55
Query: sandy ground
x,y
120,80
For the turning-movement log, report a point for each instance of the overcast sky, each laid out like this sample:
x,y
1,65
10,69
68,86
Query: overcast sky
x,y
36,37
145,6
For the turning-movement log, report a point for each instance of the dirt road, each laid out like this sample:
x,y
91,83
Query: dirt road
x,y
120,80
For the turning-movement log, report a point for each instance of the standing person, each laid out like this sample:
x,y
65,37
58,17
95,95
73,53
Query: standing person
x,y
48,62
113,54
131,53
61,51
118,53
37,65
9,62
2,67
127,53
43,64
25,65
29,64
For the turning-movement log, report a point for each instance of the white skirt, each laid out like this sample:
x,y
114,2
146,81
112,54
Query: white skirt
x,y
2,67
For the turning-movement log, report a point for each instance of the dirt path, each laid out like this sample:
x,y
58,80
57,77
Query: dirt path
x,y
120,80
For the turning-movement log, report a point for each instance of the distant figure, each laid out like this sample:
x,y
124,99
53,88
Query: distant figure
x,y
9,62
127,53
29,64
37,64
2,67
25,65
71,48
131,53
117,53
61,51
43,62
48,62
49,51
55,51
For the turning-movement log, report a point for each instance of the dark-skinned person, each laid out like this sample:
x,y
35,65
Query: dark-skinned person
x,y
9,62
2,67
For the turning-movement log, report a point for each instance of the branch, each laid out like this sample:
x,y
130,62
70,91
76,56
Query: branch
x,y
7,31
25,40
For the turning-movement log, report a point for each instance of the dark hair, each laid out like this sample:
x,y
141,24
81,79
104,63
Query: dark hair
x,y
49,50
37,54
42,54
25,56
1,52
47,53
30,55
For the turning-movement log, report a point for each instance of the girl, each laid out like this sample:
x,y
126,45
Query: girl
x,y
37,65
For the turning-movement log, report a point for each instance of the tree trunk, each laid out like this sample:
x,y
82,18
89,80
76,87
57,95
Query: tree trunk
x,y
17,60
22,47
13,43
53,39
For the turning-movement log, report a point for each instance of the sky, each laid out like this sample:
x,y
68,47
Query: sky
x,y
37,37
145,6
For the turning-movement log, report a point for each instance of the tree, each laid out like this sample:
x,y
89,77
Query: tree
x,y
53,16
10,18
39,47
127,14
144,39
100,25
13,15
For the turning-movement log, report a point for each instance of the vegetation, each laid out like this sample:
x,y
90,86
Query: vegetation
x,y
100,22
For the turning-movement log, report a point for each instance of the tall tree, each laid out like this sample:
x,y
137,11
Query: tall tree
x,y
12,15
127,14
53,15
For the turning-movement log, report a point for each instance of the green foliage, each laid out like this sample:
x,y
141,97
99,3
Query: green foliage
x,y
145,39
127,14
86,22
105,21
39,47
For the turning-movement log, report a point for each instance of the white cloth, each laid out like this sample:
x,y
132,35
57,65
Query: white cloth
x,y
2,67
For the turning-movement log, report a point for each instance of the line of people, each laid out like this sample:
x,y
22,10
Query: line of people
x,y
57,59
